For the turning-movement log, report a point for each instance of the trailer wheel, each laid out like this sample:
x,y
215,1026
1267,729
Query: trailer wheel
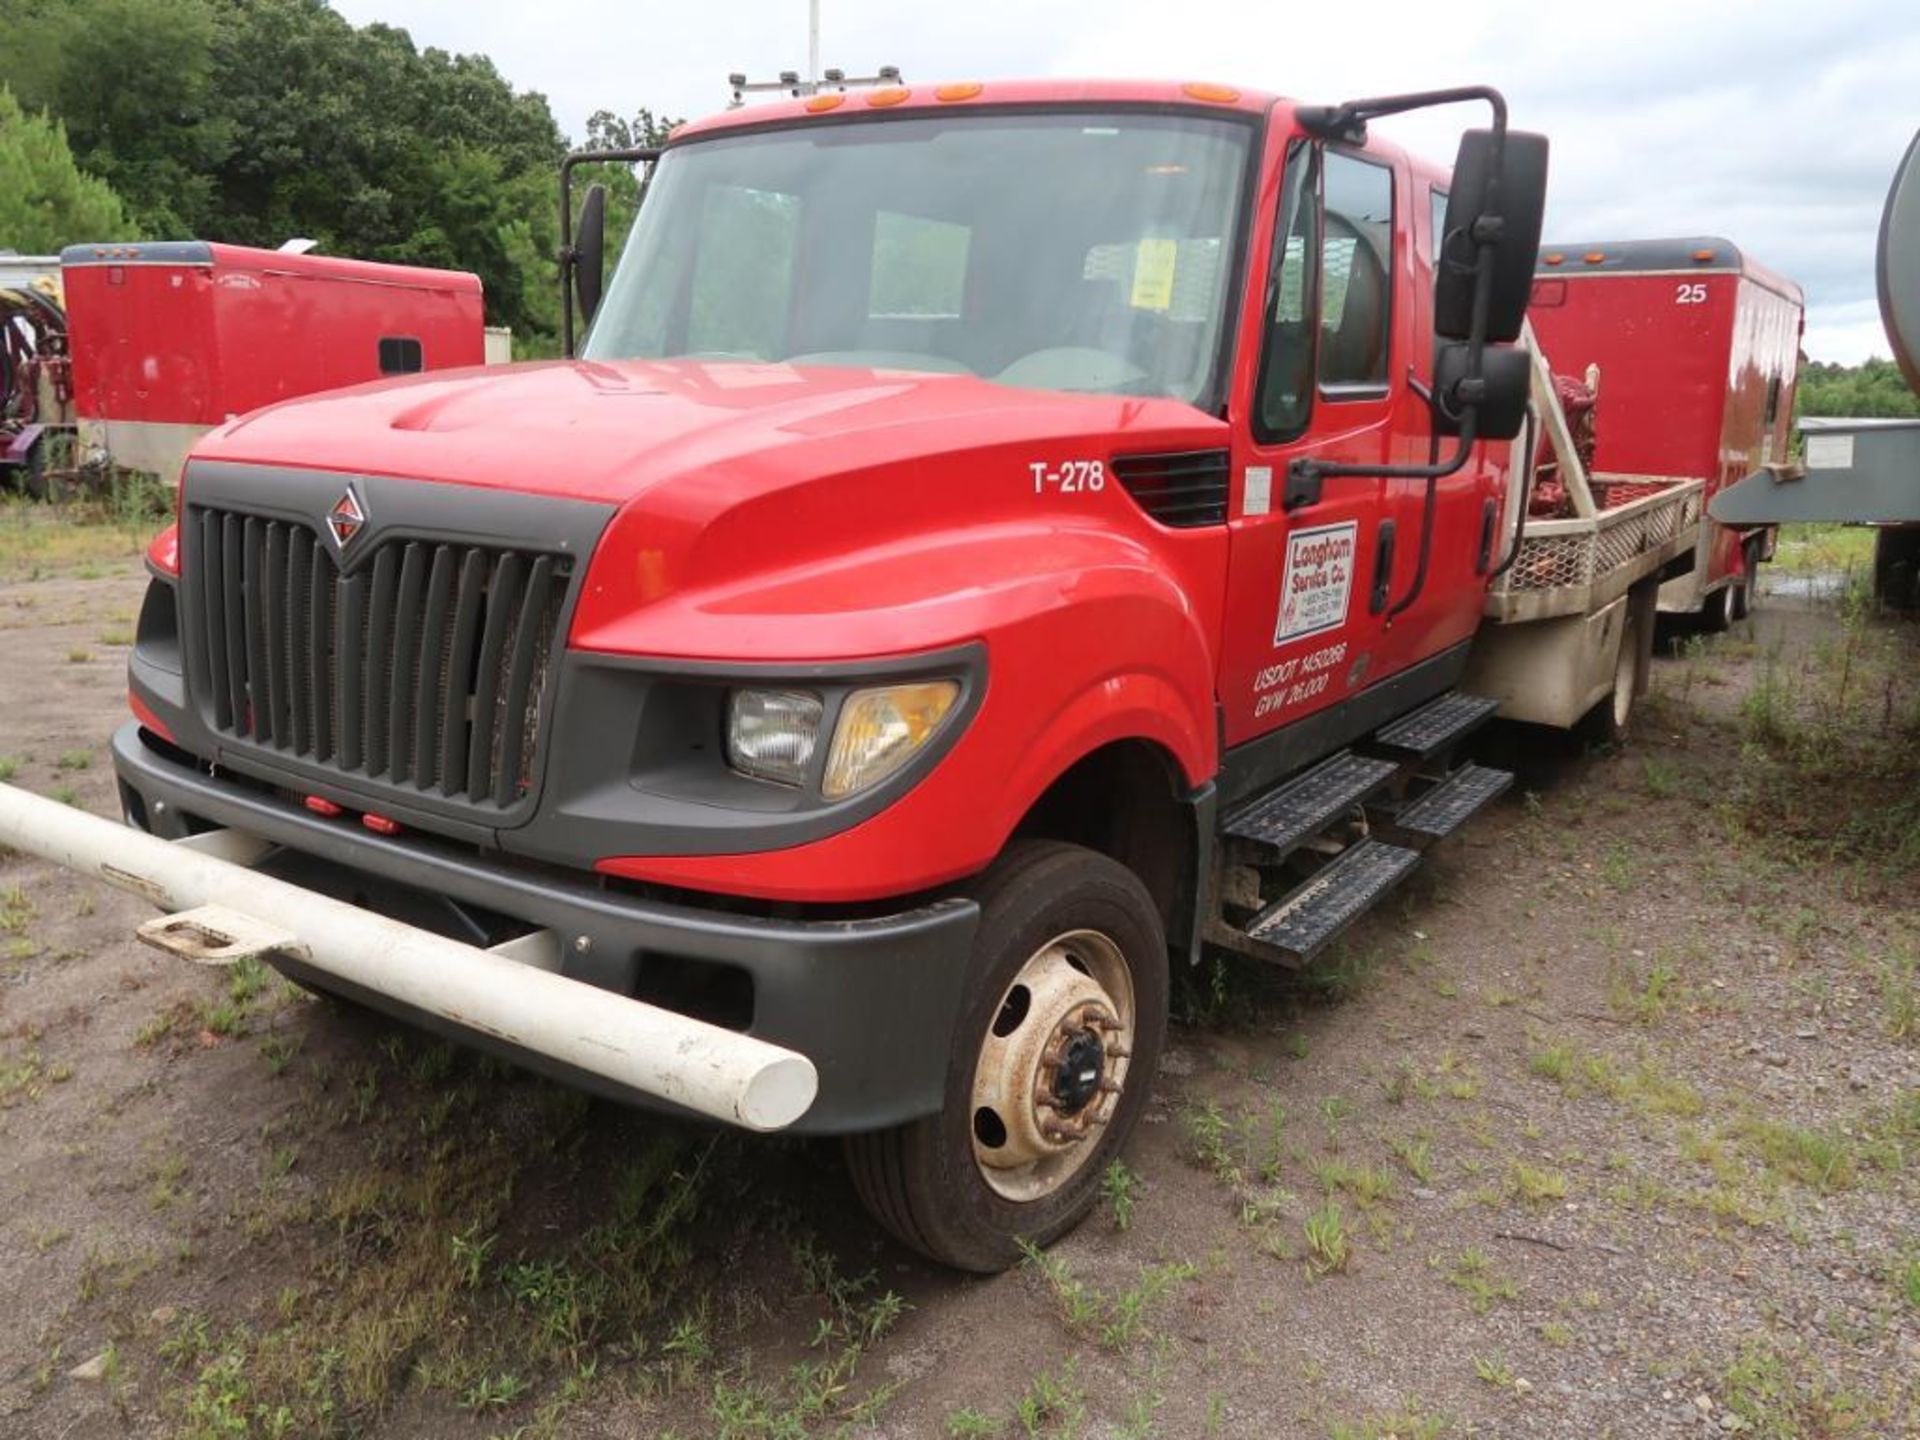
x,y
1048,1069
1746,590
1717,614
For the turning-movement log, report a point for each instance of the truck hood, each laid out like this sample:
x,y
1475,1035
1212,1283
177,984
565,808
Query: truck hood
x,y
611,432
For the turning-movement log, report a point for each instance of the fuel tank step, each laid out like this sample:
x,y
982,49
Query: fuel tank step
x,y
1436,724
1304,807
1303,922
1450,804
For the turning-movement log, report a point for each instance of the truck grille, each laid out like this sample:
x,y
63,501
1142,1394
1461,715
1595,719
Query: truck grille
x,y
428,667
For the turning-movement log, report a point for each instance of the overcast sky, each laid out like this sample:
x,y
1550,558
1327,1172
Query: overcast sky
x,y
1776,123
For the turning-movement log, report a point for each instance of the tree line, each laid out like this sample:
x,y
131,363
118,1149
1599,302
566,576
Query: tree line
x,y
254,121
1873,388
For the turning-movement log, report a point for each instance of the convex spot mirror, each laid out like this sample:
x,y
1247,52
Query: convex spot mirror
x,y
1506,375
590,250
1522,200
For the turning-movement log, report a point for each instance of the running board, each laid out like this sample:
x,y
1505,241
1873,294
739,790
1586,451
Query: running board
x,y
1448,805
1304,807
1301,924
1436,724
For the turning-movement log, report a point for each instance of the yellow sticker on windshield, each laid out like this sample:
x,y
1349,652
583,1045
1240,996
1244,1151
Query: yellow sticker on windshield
x,y
1153,265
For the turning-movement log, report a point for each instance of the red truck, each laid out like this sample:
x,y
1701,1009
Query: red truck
x,y
171,338
992,541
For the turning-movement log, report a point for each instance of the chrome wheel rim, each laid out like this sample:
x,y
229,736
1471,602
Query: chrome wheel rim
x,y
1052,1065
1623,683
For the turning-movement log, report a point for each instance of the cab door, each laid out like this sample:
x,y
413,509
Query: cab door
x,y
1311,574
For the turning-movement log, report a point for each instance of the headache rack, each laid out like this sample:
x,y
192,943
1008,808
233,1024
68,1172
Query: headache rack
x,y
1624,527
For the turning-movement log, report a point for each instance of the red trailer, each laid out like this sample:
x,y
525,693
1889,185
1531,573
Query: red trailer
x,y
1696,348
172,338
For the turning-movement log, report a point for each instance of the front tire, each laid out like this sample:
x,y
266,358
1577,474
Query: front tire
x,y
1049,1067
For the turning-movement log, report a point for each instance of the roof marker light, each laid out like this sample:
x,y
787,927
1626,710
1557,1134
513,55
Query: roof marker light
x,y
1594,257
1703,255
892,95
1554,259
965,90
831,101
1212,94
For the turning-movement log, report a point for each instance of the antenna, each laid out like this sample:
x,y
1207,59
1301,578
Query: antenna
x,y
790,82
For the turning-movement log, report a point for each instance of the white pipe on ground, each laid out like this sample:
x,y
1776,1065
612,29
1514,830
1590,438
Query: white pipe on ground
x,y
720,1073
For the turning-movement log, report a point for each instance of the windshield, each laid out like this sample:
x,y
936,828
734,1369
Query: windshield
x,y
1060,252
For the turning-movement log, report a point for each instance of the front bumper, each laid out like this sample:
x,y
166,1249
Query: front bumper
x,y
870,999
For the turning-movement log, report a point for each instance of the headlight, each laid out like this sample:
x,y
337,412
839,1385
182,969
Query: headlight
x,y
880,729
772,734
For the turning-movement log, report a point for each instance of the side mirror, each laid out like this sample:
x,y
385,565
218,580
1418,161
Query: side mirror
x,y
590,250
1515,209
1500,401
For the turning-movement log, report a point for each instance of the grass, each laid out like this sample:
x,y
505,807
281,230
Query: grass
x,y
412,1284
1115,1319
1781,1394
1830,752
81,537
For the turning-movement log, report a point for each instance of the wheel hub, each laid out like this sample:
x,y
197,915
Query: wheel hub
x,y
1076,1079
1052,1065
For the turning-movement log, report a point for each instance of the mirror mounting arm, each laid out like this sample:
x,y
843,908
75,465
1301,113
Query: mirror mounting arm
x,y
566,254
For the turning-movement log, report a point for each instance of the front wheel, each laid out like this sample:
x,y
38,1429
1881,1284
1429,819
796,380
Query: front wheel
x,y
1048,1069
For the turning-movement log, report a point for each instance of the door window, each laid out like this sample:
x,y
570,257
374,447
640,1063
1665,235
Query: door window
x,y
1329,299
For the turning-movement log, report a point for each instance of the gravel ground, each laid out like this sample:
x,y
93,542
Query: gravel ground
x,y
1606,1126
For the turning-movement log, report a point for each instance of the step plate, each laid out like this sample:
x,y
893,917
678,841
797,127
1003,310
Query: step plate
x,y
1308,805
1306,920
1436,723
1454,801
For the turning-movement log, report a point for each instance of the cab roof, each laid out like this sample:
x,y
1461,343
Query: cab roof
x,y
1199,96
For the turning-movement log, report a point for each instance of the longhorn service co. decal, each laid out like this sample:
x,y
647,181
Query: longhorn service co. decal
x,y
1317,583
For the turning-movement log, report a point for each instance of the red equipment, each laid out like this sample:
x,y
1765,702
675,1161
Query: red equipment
x,y
170,339
1697,348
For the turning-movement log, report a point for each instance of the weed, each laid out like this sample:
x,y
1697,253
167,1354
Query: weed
x,y
1484,1287
1410,1422
1906,1281
9,767
1055,1403
970,1424
1117,1184
1900,997
73,760
1417,1156
1365,1184
1209,1129
1663,779
1116,1320
1328,1247
1493,1370
79,655
492,1392
1534,1185
64,794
